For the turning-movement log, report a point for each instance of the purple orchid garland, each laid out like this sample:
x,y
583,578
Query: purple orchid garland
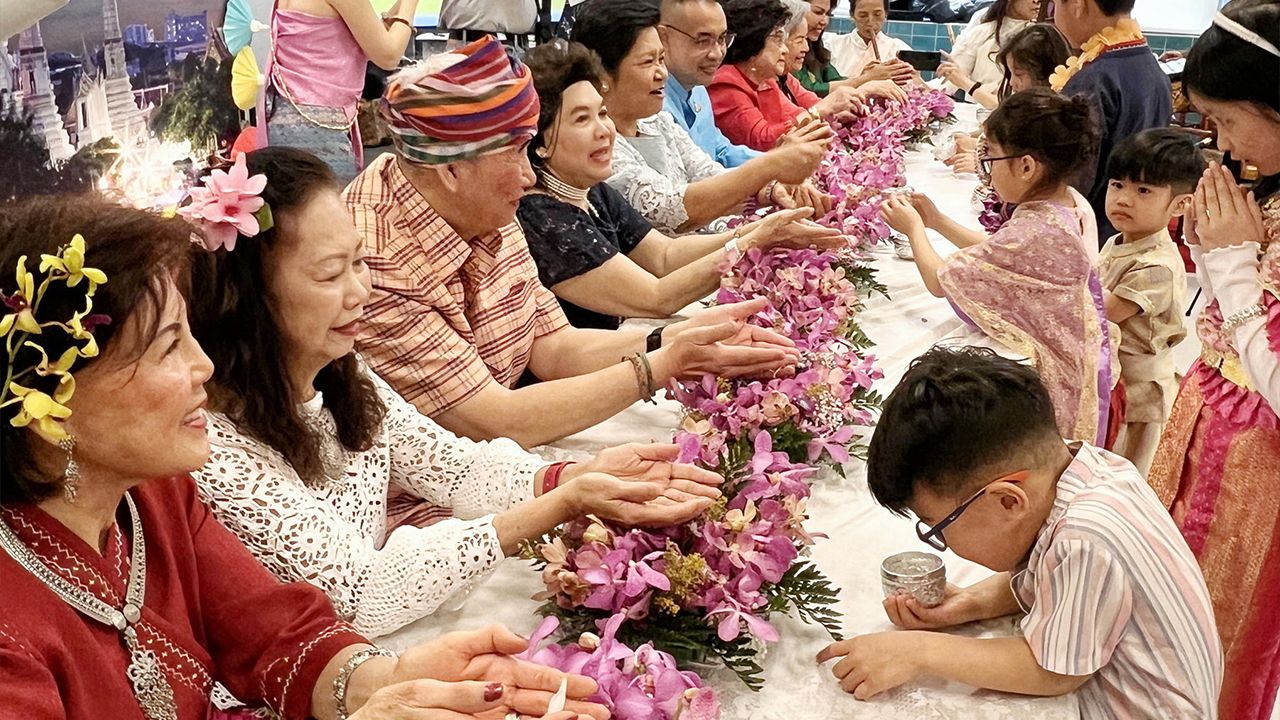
x,y
713,582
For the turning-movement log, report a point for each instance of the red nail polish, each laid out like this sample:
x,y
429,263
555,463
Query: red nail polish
x,y
492,692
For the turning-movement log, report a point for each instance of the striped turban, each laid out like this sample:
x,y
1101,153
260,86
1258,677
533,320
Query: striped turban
x,y
460,105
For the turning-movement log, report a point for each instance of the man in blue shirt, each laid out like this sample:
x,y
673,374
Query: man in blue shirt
x,y
695,36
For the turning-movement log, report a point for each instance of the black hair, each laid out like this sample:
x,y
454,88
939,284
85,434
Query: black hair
x,y
1223,67
997,14
610,27
1115,7
956,412
556,66
853,5
819,56
137,250
1161,156
1058,131
751,21
1038,49
233,319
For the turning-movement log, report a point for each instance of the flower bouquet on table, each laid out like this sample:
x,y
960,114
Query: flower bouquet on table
x,y
704,591
640,684
993,212
868,159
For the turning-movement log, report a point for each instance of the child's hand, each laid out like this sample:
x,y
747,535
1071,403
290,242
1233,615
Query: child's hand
x,y
875,663
1225,214
902,216
957,608
929,212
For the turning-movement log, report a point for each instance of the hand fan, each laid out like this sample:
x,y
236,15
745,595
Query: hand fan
x,y
246,81
239,26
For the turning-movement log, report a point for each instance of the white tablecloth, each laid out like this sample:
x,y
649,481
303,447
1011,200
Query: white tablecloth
x,y
860,533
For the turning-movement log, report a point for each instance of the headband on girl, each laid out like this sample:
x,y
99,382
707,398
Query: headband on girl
x,y
1245,34
228,205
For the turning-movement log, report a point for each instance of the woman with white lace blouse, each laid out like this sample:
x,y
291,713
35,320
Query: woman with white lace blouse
x,y
306,440
657,166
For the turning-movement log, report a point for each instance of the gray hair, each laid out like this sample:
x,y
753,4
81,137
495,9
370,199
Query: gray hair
x,y
796,12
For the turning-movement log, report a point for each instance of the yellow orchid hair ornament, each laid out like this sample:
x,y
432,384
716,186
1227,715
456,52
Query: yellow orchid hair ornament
x,y
29,367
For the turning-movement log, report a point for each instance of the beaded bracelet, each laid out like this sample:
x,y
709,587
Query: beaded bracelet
x,y
644,377
344,676
1231,324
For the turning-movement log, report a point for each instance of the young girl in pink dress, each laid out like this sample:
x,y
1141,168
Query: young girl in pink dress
x,y
1034,284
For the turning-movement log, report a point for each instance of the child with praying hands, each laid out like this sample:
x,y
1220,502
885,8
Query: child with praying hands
x,y
1152,179
1116,607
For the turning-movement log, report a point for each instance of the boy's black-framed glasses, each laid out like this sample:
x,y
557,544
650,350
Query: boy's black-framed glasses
x,y
933,537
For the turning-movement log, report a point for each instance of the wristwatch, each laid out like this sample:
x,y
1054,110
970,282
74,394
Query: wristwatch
x,y
654,341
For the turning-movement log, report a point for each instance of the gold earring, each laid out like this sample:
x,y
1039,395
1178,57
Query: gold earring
x,y
542,153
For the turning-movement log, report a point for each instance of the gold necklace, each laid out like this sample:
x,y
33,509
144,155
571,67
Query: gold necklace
x,y
1124,33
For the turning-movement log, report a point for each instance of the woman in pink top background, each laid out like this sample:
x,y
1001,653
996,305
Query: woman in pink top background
x,y
319,50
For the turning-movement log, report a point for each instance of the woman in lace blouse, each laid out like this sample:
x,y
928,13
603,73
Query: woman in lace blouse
x,y
600,257
307,440
657,166
122,597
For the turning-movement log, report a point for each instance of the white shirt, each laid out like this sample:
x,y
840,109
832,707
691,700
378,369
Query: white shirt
x,y
1232,276
333,535
654,169
976,49
850,54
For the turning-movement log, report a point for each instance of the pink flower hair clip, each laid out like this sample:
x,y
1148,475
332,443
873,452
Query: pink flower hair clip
x,y
228,205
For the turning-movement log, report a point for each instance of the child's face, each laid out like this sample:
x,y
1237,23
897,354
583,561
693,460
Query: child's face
x,y
996,530
1138,209
1013,178
1019,78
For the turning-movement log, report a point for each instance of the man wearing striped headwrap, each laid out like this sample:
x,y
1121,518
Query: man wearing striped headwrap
x,y
458,315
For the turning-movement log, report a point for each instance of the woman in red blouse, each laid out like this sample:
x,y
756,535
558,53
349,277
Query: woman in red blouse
x,y
123,598
756,99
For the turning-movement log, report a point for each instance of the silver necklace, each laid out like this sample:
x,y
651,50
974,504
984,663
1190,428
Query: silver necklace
x,y
563,190
150,686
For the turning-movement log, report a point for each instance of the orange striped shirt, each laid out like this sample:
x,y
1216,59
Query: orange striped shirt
x,y
447,316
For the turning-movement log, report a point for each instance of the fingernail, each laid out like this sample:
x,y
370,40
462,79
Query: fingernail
x,y
492,692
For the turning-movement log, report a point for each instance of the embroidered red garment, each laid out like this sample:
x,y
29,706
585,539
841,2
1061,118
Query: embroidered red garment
x,y
211,613
750,114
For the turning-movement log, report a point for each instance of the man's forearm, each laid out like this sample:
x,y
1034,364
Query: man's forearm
x,y
577,351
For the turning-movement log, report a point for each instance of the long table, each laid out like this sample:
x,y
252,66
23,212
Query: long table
x,y
859,532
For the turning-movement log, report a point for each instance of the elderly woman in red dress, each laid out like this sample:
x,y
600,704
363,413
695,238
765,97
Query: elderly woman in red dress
x,y
755,98
123,597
